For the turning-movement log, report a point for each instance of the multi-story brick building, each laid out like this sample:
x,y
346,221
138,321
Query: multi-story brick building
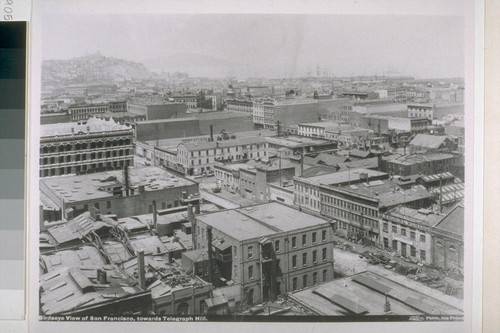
x,y
123,192
268,249
73,148
358,208
288,111
426,164
307,190
408,232
448,241
194,158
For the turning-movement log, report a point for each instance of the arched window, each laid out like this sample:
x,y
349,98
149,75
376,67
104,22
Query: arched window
x,y
453,248
438,243
183,309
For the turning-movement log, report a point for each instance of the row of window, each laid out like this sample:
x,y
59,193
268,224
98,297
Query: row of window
x,y
324,257
83,157
348,205
403,232
305,280
362,220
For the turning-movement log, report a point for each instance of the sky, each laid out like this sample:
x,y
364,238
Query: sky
x,y
266,45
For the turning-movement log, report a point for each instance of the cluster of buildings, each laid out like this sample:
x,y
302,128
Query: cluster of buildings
x,y
191,196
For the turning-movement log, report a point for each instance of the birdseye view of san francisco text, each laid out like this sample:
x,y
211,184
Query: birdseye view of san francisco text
x,y
251,168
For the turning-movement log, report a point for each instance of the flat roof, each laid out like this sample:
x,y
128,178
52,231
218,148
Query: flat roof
x,y
296,141
92,125
67,289
170,120
420,158
364,294
282,217
345,176
73,188
86,255
260,220
236,225
388,193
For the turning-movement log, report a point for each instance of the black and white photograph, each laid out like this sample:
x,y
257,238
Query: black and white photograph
x,y
252,167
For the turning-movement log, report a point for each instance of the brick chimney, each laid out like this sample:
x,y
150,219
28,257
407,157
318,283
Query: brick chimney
x,y
141,269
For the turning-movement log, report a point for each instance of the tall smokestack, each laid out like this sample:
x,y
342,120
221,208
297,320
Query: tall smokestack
x,y
211,132
192,220
127,181
210,268
278,128
42,220
155,217
141,270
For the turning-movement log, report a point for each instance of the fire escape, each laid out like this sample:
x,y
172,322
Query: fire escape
x,y
270,271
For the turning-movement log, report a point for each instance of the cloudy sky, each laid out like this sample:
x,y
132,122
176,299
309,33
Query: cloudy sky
x,y
266,45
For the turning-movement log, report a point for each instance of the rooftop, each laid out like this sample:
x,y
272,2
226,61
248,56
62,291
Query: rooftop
x,y
423,217
260,220
223,144
296,141
453,222
428,141
364,294
388,193
67,289
341,177
93,125
82,256
420,158
100,185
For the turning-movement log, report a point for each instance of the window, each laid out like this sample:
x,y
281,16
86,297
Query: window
x,y
386,227
412,235
304,259
324,254
294,262
304,240
250,252
386,243
294,284
315,278
422,238
413,251
403,232
304,281
324,275
250,272
294,241
108,204
315,256
277,246
96,205
394,245
203,307
422,255
235,251
323,235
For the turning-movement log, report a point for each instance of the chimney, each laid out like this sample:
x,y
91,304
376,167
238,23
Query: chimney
x,y
155,213
42,220
210,268
126,179
141,270
211,133
190,213
387,305
94,214
102,276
